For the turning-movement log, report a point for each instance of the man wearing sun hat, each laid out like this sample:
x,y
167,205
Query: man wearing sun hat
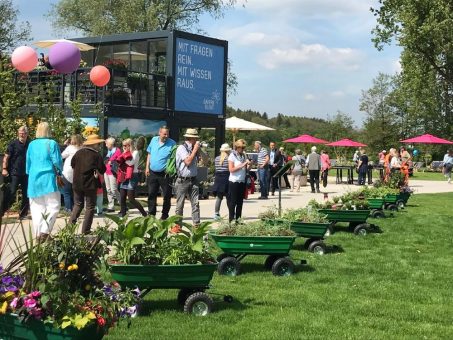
x,y
88,166
187,156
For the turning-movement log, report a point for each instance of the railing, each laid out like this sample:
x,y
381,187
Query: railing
x,y
125,88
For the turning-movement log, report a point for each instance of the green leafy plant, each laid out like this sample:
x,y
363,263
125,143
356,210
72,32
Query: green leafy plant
x,y
304,215
256,228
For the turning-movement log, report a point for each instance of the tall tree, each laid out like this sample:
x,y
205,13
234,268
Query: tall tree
x,y
102,17
12,32
424,29
381,125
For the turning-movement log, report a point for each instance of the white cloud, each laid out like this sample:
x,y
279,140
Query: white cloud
x,y
396,66
337,94
309,97
307,8
313,55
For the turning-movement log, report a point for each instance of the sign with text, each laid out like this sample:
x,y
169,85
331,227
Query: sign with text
x,y
199,77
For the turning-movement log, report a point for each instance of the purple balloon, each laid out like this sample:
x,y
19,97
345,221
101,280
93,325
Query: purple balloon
x,y
64,57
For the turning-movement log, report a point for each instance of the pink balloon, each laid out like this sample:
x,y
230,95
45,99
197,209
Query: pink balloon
x,y
24,58
64,57
100,75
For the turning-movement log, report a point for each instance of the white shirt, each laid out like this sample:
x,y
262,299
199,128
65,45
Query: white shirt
x,y
395,163
68,171
238,175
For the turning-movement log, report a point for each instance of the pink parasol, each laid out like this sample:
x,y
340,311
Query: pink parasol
x,y
306,139
427,139
346,143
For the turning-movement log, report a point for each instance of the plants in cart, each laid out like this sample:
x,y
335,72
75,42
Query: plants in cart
x,y
256,228
149,241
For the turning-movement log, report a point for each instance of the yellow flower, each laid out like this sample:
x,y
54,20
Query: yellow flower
x,y
87,287
61,265
4,307
73,267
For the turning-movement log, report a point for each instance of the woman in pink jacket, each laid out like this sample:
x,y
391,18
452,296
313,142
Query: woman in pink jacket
x,y
325,166
111,164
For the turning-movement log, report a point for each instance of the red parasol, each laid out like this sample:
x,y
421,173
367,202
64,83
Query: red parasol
x,y
306,139
427,139
346,143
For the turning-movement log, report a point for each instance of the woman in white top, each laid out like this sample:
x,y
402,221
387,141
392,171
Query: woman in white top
x,y
237,165
76,143
129,160
395,163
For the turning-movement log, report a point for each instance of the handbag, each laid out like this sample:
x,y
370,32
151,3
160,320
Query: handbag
x,y
58,178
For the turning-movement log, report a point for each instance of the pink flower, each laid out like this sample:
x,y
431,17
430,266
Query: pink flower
x,y
13,303
36,294
30,303
36,312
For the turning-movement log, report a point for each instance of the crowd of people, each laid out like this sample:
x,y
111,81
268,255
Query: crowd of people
x,y
78,174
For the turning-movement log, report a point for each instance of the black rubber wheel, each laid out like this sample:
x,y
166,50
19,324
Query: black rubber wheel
x,y
317,247
392,207
308,242
283,267
330,230
222,256
400,204
199,304
184,293
378,214
228,298
361,229
229,266
270,261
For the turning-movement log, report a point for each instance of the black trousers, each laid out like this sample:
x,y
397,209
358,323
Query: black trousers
x,y
235,199
273,181
80,197
10,198
156,180
314,179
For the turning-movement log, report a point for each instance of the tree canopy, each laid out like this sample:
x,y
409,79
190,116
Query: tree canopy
x,y
118,16
12,32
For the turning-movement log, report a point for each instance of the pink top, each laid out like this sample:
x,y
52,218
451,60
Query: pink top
x,y
113,157
325,162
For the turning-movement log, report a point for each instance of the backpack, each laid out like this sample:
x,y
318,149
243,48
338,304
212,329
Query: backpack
x,y
170,168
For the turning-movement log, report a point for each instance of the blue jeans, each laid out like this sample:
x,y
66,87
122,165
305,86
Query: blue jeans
x,y
263,175
68,195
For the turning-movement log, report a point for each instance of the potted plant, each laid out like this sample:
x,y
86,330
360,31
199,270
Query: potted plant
x,y
53,289
118,96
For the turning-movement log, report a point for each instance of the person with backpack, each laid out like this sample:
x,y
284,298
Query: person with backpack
x,y
159,150
187,156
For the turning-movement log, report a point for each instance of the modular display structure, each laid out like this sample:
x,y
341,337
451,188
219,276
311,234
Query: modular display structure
x,y
158,78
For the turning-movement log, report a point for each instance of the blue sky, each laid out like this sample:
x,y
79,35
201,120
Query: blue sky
x,y
298,57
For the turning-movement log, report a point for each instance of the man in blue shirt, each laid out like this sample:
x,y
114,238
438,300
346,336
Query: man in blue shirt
x,y
159,151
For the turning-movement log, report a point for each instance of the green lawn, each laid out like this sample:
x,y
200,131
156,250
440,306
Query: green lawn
x,y
428,176
396,284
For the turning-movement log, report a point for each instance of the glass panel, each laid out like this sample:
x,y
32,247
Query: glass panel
x,y
138,56
87,58
121,54
157,56
103,54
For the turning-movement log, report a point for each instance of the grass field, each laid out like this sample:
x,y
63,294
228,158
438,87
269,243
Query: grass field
x,y
391,285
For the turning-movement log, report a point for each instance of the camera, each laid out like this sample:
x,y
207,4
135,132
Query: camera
x,y
204,144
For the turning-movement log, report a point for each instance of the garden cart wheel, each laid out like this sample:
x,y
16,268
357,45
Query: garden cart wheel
x,y
184,293
199,304
378,214
308,242
400,204
317,247
270,261
392,207
361,229
229,266
222,256
329,231
283,267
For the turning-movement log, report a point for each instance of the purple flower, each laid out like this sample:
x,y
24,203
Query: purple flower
x,y
7,280
1,269
136,291
12,288
37,313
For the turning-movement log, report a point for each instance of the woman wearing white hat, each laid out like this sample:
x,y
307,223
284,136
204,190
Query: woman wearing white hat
x,y
222,173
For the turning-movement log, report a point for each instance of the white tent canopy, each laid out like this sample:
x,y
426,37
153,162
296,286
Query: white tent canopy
x,y
50,43
237,124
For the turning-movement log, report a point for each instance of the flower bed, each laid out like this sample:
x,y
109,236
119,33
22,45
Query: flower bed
x,y
56,283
